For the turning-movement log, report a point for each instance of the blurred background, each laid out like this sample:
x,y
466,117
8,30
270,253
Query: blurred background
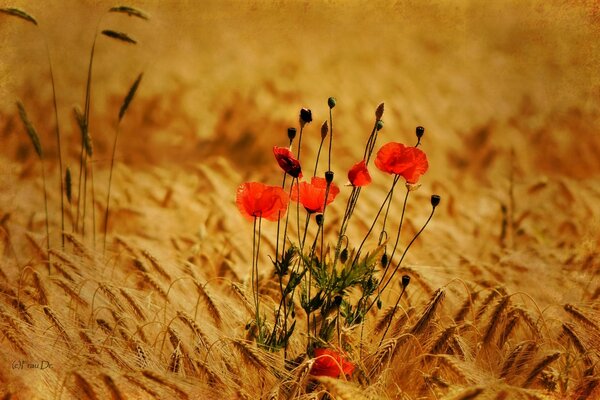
x,y
508,91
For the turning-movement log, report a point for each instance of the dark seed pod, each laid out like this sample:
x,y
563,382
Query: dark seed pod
x,y
291,133
420,131
331,102
305,116
293,314
379,125
435,200
329,176
344,256
319,219
384,260
405,281
379,303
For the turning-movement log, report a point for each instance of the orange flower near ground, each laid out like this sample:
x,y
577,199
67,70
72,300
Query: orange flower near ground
x,y
330,363
287,161
256,199
312,195
398,159
359,174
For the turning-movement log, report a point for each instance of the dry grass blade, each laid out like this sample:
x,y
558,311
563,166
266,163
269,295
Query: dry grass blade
x,y
31,132
130,11
15,12
127,101
123,37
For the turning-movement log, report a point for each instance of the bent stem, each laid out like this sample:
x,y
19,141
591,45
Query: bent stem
x,y
397,235
387,198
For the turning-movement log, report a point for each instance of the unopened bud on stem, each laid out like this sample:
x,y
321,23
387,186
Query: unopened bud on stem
x,y
331,102
291,133
435,200
324,130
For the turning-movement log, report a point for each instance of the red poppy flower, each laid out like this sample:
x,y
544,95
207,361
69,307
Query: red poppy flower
x,y
330,363
287,161
359,174
398,159
256,199
312,195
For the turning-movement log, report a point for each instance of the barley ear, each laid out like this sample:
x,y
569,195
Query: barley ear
x,y
123,37
129,96
130,11
31,132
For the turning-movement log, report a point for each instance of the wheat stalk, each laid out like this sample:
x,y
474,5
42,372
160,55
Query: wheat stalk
x,y
581,317
40,289
212,307
154,262
139,313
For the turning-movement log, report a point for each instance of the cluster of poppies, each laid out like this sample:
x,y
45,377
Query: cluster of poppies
x,y
258,200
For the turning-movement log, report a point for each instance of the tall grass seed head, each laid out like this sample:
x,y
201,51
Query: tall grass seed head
x,y
324,130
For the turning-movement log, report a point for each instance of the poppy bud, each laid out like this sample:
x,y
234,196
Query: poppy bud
x,y
379,111
379,304
331,102
420,132
344,256
319,219
329,176
384,260
291,133
337,300
324,130
305,116
435,200
405,281
379,125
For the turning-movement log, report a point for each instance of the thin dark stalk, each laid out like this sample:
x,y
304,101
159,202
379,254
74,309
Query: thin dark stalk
x,y
397,235
110,175
402,258
392,316
86,111
258,323
330,138
93,207
60,160
318,156
387,198
46,209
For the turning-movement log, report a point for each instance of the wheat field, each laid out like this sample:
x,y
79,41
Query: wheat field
x,y
505,291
